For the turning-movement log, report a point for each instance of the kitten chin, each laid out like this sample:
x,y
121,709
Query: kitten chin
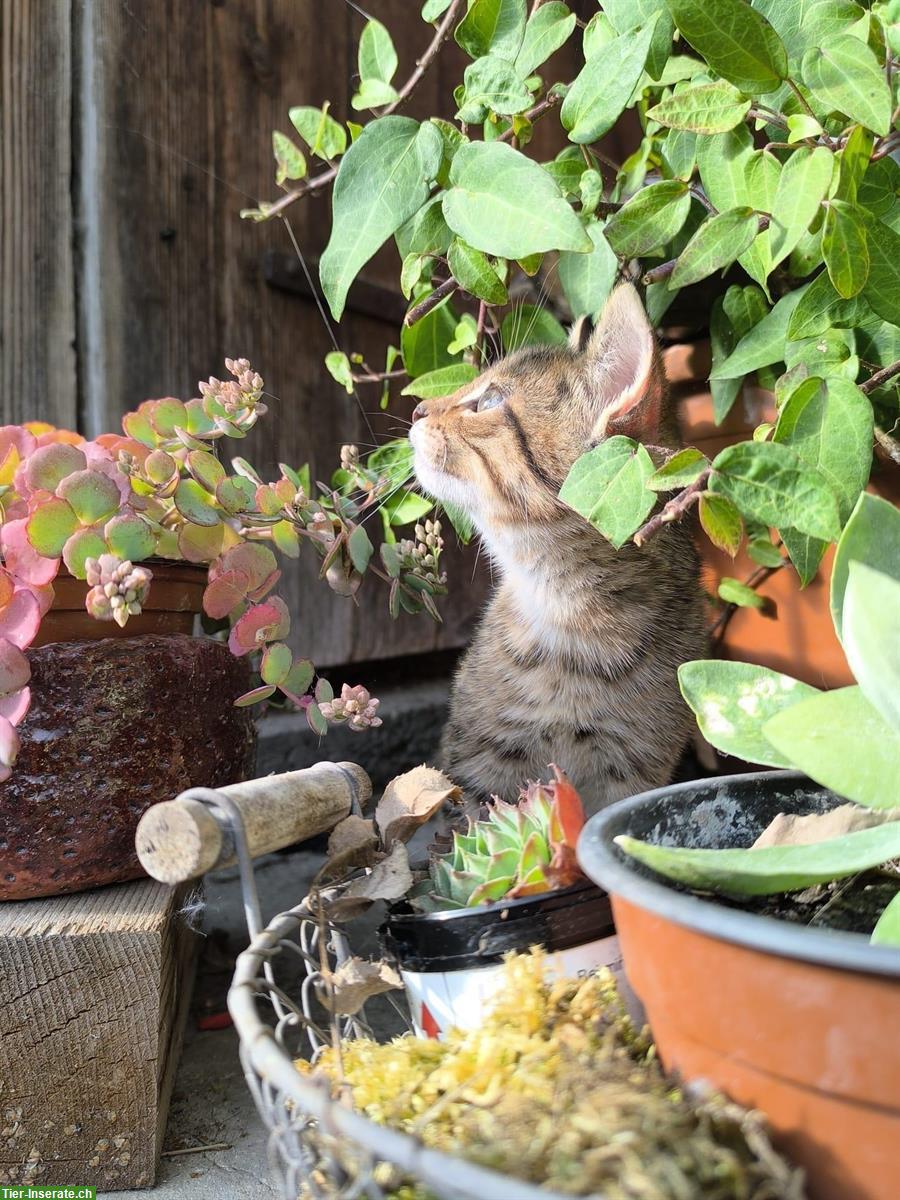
x,y
576,658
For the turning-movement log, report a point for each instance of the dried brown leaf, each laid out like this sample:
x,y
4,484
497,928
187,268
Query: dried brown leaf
x,y
787,829
355,981
353,843
410,799
388,880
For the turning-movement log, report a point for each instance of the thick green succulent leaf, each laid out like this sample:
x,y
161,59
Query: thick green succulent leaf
x,y
871,536
82,545
130,537
607,486
887,928
604,85
505,204
195,504
92,495
733,700
871,636
737,42
383,180
771,869
50,527
841,741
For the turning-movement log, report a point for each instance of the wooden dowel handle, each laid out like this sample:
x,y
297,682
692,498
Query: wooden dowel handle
x,y
183,838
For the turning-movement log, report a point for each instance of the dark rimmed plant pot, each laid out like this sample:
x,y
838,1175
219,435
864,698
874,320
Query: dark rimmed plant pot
x,y
116,723
452,962
800,1023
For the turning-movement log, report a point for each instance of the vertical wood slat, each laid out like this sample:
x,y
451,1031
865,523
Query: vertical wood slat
x,y
37,306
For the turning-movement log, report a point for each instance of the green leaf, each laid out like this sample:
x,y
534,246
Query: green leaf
x,y
887,928
382,181
722,523
732,591
338,366
276,663
770,869
377,58
627,15
737,42
359,548
880,186
528,325
763,344
195,504
706,108
732,701
649,219
733,316
821,308
845,247
678,472
404,508
882,287
491,85
587,279
425,345
50,526
474,273
733,173
462,523
465,335
802,126
844,74
442,382
768,481
679,153
828,424
506,205
290,161
871,636
607,487
763,552
433,9
719,241
841,741
325,137
854,161
871,536
802,186
548,28
373,93
426,232
598,33
492,26
604,86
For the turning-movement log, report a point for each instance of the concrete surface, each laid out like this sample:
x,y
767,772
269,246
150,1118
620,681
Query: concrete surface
x,y
211,1104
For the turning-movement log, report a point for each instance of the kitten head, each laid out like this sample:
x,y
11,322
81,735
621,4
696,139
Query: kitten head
x,y
500,448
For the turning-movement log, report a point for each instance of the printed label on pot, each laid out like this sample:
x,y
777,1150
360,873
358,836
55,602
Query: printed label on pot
x,y
439,1000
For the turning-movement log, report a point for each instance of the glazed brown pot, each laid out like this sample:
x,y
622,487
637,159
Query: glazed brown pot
x,y
800,1023
800,640
117,723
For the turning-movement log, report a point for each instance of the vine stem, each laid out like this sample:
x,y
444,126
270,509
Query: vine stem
x,y
322,180
379,376
880,377
441,292
674,510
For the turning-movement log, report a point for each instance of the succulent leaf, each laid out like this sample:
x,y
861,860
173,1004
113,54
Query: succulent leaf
x,y
50,527
49,466
92,495
490,890
129,536
82,545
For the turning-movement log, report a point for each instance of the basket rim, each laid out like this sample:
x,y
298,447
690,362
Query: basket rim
x,y
261,1052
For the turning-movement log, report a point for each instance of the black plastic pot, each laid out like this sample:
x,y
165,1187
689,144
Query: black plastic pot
x,y
800,1023
451,962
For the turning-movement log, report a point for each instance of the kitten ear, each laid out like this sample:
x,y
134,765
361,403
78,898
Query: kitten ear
x,y
624,367
580,334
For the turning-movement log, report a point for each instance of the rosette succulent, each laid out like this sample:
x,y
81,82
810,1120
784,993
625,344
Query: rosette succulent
x,y
517,850
104,509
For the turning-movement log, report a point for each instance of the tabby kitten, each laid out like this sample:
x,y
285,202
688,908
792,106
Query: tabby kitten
x,y
575,659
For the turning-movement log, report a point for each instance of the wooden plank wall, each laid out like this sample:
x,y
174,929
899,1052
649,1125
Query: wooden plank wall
x,y
132,136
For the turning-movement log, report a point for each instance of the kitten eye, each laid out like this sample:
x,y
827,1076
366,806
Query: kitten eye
x,y
489,399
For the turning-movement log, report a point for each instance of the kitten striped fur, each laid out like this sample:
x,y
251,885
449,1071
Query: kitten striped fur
x,y
575,659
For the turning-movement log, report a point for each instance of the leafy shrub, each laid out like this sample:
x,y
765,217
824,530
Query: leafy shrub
x,y
767,138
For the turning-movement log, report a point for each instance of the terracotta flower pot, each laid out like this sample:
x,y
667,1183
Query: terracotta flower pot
x,y
801,640
117,723
798,1022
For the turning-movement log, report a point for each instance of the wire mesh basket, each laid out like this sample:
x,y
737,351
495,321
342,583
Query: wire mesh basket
x,y
318,1146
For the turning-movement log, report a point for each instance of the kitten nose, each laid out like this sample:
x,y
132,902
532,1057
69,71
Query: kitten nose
x,y
418,412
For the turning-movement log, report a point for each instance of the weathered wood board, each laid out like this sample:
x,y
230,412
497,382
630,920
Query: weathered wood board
x,y
94,991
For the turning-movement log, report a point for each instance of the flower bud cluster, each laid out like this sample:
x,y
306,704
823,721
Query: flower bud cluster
x,y
118,589
422,556
355,706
